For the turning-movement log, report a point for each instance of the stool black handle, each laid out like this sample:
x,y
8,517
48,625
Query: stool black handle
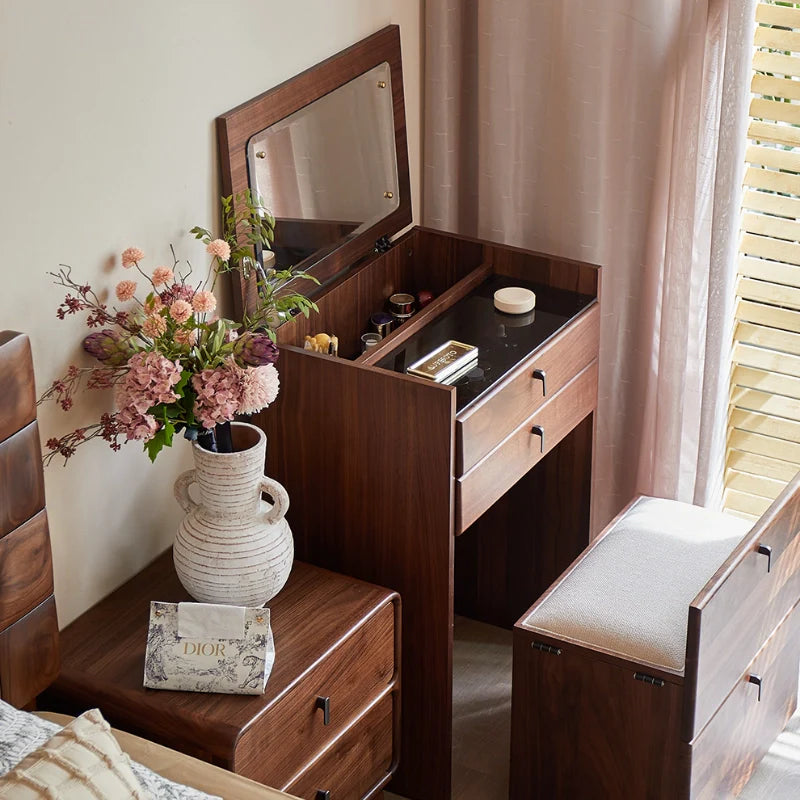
x,y
325,704
766,550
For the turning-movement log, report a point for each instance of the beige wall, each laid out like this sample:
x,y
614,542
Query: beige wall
x,y
107,141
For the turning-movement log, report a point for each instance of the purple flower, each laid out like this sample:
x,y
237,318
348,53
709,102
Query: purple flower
x,y
108,346
255,350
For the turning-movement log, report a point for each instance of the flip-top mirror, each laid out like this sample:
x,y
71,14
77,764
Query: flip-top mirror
x,y
327,153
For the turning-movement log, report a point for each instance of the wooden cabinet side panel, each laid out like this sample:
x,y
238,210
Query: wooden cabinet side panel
x,y
581,727
367,459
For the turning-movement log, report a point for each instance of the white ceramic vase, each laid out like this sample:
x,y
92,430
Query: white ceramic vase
x,y
232,547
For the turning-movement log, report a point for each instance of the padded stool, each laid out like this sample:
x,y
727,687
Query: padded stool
x,y
664,661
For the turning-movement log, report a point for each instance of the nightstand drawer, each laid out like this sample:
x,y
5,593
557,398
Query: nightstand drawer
x,y
294,730
357,764
488,480
481,427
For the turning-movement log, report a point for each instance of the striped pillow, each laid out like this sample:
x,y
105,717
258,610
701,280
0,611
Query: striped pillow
x,y
81,762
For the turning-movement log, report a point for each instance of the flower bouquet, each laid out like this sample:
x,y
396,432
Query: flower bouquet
x,y
173,364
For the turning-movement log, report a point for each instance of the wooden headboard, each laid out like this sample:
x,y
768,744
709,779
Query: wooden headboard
x,y
29,657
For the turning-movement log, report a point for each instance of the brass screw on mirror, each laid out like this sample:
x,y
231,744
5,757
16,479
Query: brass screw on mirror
x,y
261,154
381,84
388,195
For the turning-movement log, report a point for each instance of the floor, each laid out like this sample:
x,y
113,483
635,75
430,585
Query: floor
x,y
482,717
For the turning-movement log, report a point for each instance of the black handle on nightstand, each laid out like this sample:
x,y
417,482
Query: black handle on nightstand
x,y
325,704
766,550
323,795
756,679
538,430
541,375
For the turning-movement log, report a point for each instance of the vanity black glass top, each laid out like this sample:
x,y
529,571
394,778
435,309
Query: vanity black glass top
x,y
503,340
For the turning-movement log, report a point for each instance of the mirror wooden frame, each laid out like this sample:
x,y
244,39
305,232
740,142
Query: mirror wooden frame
x,y
236,127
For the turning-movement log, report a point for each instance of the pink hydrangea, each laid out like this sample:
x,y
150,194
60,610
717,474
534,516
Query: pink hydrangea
x,y
163,275
219,248
219,395
131,256
204,302
260,386
135,425
186,337
126,290
154,326
180,311
148,382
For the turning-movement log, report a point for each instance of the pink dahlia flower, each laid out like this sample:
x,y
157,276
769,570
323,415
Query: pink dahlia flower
x,y
180,311
219,248
154,326
219,394
260,386
131,256
126,290
186,337
204,302
153,304
163,275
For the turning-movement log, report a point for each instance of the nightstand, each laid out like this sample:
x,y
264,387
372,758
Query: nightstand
x,y
325,726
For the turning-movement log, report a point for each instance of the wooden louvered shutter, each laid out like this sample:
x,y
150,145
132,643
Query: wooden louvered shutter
x,y
764,424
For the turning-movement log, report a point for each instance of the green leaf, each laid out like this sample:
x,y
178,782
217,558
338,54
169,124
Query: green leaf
x,y
181,384
155,445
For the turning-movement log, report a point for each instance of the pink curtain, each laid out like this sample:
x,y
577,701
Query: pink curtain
x,y
610,131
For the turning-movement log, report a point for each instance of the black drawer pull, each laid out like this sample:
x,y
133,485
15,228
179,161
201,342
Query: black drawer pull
x,y
756,679
541,375
766,550
325,704
323,795
538,430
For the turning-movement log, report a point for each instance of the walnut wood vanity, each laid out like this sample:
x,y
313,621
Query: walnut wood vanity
x,y
469,498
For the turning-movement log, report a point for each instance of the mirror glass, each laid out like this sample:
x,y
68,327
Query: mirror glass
x,y
328,171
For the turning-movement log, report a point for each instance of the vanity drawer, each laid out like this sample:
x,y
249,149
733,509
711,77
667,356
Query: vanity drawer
x,y
748,603
294,727
488,480
724,755
481,427
357,764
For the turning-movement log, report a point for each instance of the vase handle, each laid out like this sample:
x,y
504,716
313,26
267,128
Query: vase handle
x,y
181,489
280,500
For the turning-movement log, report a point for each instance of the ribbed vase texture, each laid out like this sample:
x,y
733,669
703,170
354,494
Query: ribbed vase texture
x,y
233,547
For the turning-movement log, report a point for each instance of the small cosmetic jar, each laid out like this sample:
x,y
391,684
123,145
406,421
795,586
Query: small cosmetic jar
x,y
401,304
399,319
381,323
424,297
369,340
